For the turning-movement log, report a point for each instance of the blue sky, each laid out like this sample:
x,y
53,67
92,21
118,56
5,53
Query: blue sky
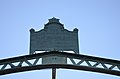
x,y
98,22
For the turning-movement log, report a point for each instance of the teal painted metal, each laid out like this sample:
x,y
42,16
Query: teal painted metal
x,y
34,62
54,38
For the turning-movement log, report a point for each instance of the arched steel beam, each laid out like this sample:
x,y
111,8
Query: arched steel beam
x,y
22,63
47,66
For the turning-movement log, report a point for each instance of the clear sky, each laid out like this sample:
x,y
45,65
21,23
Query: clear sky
x,y
98,22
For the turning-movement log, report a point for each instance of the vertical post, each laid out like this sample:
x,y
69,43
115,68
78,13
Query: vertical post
x,y
53,73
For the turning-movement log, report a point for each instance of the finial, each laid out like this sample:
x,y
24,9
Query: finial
x,y
32,30
75,29
54,20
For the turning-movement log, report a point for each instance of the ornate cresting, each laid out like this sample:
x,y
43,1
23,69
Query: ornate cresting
x,y
54,40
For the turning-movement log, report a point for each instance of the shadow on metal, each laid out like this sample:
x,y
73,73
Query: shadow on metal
x,y
76,66
47,66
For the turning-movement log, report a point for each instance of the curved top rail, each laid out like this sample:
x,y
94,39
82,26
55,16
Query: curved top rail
x,y
16,63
